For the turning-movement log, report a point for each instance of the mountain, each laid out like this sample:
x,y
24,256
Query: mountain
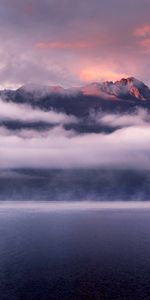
x,y
126,88
123,96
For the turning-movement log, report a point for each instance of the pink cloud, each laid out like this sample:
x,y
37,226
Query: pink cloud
x,y
145,45
92,42
101,72
65,45
142,31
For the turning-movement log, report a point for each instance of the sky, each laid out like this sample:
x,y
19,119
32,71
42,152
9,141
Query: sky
x,y
70,43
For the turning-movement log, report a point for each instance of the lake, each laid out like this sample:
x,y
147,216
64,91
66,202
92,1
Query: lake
x,y
74,251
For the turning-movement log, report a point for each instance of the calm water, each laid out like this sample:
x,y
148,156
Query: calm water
x,y
74,254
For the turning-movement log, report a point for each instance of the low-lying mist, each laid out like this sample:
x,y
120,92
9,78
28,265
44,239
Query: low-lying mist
x,y
59,148
74,185
61,163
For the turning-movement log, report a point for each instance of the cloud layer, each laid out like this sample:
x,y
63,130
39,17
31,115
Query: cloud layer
x,y
69,42
127,147
25,113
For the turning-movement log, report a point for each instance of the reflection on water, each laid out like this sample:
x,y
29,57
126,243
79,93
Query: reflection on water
x,y
49,253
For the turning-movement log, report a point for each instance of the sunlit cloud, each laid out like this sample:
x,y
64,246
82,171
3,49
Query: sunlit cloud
x,y
66,45
143,35
144,45
95,74
142,31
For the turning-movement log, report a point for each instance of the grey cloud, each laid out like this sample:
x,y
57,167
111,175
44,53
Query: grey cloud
x,y
22,68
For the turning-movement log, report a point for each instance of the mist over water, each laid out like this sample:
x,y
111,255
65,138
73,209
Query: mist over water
x,y
74,185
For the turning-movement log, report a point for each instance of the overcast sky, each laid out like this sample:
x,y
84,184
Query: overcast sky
x,y
66,42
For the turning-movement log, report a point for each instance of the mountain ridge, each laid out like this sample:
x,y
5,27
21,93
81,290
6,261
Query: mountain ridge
x,y
126,96
125,88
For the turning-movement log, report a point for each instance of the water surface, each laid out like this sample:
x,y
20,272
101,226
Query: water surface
x,y
88,252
